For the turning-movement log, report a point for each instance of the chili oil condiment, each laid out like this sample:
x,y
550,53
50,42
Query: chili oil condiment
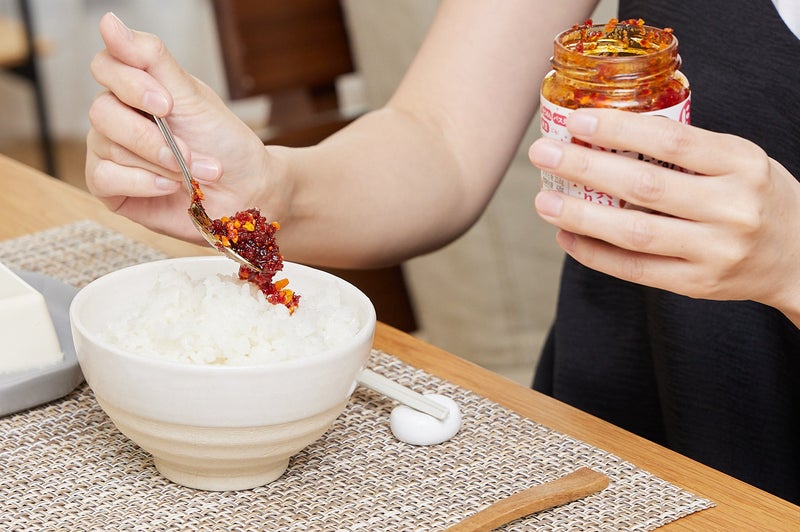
x,y
623,65
252,236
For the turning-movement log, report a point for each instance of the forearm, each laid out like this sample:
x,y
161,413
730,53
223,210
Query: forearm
x,y
414,175
383,189
398,182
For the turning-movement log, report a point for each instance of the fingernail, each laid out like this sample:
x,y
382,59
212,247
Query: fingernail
x,y
546,153
549,203
162,183
155,103
580,123
123,30
205,169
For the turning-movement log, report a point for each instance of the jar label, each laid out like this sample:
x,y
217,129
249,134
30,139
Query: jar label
x,y
554,126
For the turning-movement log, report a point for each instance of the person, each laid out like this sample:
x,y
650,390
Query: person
x,y
679,324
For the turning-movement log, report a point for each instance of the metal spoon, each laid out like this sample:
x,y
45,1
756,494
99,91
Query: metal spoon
x,y
197,213
202,221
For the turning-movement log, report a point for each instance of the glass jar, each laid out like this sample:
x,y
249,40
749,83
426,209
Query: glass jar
x,y
621,65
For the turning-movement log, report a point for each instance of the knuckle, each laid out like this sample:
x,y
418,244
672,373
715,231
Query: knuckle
x,y
96,112
704,279
758,168
140,142
703,286
632,268
640,235
94,144
751,151
675,138
160,49
98,176
116,153
746,218
155,49
749,221
648,185
97,65
734,254
728,260
100,109
582,162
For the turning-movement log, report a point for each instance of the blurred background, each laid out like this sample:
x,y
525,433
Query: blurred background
x,y
488,297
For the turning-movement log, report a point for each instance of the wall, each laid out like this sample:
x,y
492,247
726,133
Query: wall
x,y
70,28
510,253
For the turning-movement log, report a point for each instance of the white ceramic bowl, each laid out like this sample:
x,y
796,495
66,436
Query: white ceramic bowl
x,y
215,427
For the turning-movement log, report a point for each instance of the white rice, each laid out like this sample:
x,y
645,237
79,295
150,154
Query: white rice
x,y
222,320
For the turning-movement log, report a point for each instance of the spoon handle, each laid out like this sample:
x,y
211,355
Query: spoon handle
x,y
571,487
167,134
400,393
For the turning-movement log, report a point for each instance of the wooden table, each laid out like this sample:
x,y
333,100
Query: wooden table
x,y
31,201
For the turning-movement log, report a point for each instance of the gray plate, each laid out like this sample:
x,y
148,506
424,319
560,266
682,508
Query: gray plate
x,y
25,389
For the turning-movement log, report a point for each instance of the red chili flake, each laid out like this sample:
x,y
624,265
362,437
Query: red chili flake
x,y
197,194
249,234
630,33
586,42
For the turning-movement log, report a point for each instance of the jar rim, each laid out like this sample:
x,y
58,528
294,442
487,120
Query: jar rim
x,y
572,36
654,58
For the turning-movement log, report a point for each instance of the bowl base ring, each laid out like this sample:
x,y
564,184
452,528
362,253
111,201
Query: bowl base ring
x,y
209,482
219,458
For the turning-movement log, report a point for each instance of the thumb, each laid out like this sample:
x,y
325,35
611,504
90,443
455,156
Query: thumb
x,y
137,65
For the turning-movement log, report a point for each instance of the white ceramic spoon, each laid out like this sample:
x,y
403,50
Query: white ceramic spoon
x,y
400,393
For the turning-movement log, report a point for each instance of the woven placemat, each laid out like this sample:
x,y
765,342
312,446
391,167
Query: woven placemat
x,y
64,466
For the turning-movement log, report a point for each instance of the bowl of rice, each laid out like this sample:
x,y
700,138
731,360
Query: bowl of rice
x,y
220,386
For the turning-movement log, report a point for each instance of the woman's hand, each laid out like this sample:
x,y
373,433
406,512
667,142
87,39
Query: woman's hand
x,y
727,231
128,163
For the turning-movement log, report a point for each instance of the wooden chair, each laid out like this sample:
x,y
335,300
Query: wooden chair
x,y
294,52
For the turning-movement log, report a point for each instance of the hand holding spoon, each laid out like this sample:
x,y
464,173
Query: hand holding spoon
x,y
197,213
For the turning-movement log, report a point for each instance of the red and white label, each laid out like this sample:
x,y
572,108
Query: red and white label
x,y
554,126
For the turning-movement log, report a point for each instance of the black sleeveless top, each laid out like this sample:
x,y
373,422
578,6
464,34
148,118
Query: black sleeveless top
x,y
716,381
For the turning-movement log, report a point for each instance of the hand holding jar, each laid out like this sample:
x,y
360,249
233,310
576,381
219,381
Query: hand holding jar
x,y
703,214
726,229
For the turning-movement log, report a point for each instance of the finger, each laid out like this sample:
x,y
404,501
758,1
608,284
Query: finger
x,y
657,271
110,181
628,229
664,140
111,202
145,52
637,182
139,135
133,86
129,138
104,149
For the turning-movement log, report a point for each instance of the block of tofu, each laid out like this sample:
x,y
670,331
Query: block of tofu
x,y
28,338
